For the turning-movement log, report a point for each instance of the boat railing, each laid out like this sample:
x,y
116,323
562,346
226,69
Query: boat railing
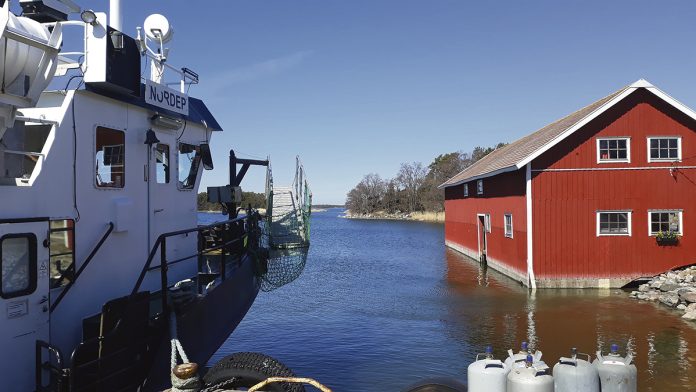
x,y
243,225
84,265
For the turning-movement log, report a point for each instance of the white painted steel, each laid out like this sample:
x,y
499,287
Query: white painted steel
x,y
115,15
575,374
531,279
616,373
530,379
25,318
487,375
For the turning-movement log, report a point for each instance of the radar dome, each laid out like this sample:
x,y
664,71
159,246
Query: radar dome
x,y
157,26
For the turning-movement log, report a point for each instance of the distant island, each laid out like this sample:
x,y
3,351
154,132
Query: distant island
x,y
412,194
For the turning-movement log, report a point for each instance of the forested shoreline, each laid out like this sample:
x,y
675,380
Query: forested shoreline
x,y
413,192
257,200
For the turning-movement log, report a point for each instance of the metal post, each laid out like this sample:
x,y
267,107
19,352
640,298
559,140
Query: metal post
x,y
163,273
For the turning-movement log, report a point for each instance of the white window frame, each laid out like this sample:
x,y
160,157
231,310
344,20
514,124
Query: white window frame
x,y
628,150
679,149
466,190
630,223
507,234
681,221
479,187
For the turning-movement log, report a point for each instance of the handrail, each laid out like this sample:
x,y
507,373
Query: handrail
x,y
83,266
160,243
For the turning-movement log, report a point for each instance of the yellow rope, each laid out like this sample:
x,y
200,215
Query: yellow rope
x,y
300,380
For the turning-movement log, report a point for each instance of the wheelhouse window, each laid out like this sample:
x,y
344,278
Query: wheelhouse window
x,y
479,187
18,258
508,225
613,150
613,223
62,252
110,156
162,159
21,154
189,161
466,190
664,149
665,221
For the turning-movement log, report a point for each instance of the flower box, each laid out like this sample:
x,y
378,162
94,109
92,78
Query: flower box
x,y
667,240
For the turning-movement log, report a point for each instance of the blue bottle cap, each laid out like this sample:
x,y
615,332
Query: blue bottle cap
x,y
530,360
489,350
614,348
524,346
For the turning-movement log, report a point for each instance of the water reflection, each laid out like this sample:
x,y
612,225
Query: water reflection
x,y
503,313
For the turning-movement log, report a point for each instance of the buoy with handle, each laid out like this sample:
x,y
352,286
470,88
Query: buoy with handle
x,y
616,373
575,375
533,377
487,374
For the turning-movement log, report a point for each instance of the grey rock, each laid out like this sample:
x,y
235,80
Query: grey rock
x,y
669,287
689,316
656,284
644,288
681,307
685,290
669,299
688,297
690,308
642,296
653,296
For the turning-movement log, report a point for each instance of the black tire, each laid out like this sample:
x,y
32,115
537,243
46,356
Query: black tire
x,y
248,369
437,385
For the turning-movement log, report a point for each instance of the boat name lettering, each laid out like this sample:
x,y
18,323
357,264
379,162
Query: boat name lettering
x,y
165,97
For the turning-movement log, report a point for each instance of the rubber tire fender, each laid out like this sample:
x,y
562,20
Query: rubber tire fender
x,y
440,384
251,369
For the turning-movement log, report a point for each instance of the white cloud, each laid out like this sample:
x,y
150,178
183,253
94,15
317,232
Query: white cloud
x,y
258,71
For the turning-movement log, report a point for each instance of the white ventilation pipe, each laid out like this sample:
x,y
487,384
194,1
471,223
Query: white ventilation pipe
x,y
115,16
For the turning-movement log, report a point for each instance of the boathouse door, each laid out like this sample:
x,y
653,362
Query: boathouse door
x,y
24,281
482,240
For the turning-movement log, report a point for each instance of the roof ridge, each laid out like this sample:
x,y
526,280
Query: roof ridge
x,y
554,128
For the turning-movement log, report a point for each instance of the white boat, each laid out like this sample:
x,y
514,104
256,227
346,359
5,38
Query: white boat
x,y
98,179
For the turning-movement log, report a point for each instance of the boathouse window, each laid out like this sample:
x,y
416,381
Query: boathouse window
x,y
664,149
189,161
110,156
614,150
613,223
508,225
665,221
162,158
466,190
18,258
479,187
62,252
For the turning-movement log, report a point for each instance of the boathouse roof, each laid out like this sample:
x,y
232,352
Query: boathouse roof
x,y
517,154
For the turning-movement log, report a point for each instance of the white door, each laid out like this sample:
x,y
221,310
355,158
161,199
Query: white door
x,y
24,286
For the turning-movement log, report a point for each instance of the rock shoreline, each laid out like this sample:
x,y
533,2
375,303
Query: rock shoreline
x,y
675,289
435,217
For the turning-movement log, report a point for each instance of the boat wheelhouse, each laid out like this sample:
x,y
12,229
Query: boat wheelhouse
x,y
102,259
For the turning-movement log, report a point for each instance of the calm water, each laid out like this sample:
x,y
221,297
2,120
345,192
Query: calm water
x,y
383,304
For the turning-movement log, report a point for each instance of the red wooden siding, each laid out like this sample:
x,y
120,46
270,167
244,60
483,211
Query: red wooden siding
x,y
502,194
565,202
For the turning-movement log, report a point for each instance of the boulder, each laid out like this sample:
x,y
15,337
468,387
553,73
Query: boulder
x,y
644,288
690,308
681,307
669,299
669,287
689,297
689,316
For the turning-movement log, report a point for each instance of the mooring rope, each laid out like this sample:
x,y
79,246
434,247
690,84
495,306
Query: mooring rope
x,y
193,382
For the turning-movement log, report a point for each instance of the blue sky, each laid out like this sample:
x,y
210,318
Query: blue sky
x,y
361,86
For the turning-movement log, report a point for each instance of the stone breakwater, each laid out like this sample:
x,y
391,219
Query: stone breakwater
x,y
676,289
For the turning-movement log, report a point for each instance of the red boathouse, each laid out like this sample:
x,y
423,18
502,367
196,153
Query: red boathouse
x,y
599,198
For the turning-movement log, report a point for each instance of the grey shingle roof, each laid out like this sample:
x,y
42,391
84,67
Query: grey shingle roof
x,y
509,156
